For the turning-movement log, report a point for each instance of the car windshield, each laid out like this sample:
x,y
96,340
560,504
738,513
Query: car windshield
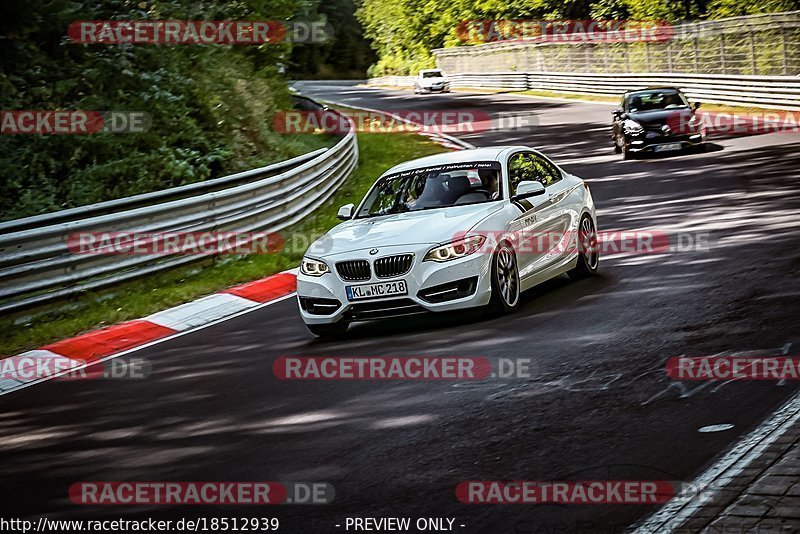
x,y
438,186
432,74
655,100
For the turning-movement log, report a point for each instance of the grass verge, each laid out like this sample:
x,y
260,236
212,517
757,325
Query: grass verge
x,y
33,328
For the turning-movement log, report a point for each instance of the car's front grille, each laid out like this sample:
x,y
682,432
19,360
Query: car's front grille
x,y
365,311
353,270
393,265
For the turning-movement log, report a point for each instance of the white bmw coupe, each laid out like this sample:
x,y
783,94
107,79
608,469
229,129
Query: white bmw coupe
x,y
451,231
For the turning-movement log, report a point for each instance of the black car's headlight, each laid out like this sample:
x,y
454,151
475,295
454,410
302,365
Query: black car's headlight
x,y
455,249
632,127
312,267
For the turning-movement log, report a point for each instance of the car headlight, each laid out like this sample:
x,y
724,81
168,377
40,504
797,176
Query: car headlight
x,y
455,249
632,127
313,267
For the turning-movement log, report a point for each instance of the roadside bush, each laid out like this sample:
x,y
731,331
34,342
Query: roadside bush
x,y
211,105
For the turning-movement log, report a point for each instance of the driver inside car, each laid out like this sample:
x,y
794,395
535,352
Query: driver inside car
x,y
490,180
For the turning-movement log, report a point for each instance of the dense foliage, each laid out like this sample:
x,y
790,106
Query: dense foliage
x,y
405,31
346,55
211,105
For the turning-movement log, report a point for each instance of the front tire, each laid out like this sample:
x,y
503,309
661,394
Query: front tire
x,y
588,250
505,281
329,331
626,152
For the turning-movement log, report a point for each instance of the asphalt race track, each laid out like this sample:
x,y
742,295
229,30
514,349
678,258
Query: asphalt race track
x,y
599,404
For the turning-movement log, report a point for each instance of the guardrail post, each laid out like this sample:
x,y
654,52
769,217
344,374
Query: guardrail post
x,y
669,56
588,59
785,53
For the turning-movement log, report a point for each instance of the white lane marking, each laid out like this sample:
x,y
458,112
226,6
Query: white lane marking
x,y
201,311
258,306
672,515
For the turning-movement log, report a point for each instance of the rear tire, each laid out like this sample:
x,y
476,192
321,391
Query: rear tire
x,y
329,331
505,281
588,250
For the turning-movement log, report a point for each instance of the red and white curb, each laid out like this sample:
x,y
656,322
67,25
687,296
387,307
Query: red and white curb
x,y
69,355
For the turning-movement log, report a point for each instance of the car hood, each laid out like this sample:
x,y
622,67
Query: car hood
x,y
411,228
661,117
431,81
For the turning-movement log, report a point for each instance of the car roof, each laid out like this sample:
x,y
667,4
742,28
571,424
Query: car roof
x,y
493,153
646,89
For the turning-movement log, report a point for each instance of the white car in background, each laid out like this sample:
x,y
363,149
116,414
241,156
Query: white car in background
x,y
442,233
431,81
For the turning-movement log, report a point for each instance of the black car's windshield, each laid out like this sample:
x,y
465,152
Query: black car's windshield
x,y
438,186
655,100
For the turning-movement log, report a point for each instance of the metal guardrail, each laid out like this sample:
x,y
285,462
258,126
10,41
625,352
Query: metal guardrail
x,y
392,81
763,45
773,92
36,265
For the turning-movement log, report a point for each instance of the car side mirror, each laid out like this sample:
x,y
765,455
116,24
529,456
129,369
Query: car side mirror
x,y
528,188
618,113
696,105
345,212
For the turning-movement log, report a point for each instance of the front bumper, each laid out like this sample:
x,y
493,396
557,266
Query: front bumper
x,y
650,140
428,285
444,88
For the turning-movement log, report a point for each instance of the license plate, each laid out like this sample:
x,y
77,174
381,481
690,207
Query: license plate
x,y
373,291
667,147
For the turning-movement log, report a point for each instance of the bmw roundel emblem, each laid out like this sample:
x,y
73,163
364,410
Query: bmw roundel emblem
x,y
373,251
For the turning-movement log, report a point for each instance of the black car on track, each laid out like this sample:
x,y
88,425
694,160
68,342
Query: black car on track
x,y
656,119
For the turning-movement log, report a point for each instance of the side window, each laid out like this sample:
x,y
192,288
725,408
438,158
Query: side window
x,y
527,166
